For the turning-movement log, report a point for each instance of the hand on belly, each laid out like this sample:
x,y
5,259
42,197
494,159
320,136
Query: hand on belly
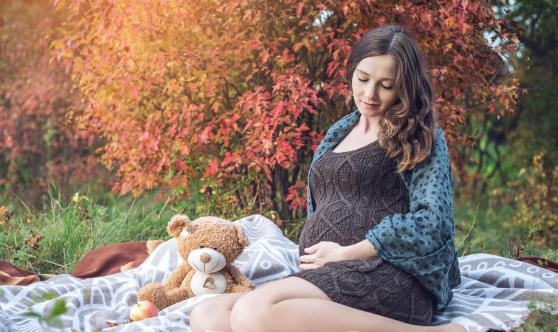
x,y
320,254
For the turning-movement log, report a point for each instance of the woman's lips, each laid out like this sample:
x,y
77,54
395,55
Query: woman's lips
x,y
372,106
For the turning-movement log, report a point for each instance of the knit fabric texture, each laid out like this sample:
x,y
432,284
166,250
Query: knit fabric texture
x,y
354,190
420,241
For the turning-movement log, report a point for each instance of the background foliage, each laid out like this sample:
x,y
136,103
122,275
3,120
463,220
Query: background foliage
x,y
515,158
217,106
38,144
239,93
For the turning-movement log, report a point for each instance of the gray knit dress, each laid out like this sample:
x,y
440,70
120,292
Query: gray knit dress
x,y
354,190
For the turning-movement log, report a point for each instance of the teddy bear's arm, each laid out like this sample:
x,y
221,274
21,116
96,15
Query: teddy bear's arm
x,y
178,294
176,278
240,279
164,295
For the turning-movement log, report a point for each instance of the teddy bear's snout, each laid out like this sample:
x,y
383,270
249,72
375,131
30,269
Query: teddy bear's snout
x,y
205,257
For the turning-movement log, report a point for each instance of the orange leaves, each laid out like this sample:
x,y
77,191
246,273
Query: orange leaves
x,y
227,160
296,196
285,153
230,90
33,241
285,58
164,162
270,135
264,56
5,216
158,59
426,18
212,169
180,165
299,7
206,135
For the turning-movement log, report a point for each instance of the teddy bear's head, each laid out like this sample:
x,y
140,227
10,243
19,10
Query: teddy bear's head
x,y
207,243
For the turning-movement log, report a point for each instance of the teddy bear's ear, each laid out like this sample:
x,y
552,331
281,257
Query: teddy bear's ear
x,y
178,224
242,239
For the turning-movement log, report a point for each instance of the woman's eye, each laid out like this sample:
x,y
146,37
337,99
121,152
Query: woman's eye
x,y
362,79
387,87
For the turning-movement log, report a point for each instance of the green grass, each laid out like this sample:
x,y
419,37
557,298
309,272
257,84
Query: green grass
x,y
543,318
55,239
73,226
539,321
486,228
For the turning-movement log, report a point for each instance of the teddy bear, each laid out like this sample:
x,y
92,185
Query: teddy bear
x,y
209,246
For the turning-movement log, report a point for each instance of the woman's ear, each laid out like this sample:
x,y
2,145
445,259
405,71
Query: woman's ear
x,y
178,223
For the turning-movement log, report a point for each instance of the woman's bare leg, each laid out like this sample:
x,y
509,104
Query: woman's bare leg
x,y
294,304
214,314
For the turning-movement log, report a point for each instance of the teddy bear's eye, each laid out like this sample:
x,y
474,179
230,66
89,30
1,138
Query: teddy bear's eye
x,y
201,247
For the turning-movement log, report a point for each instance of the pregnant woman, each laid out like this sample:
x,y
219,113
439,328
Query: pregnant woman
x,y
377,251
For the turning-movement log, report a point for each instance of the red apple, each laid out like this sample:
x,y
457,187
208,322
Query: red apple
x,y
143,310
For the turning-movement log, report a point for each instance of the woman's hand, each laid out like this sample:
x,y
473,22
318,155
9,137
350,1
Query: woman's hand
x,y
326,251
321,253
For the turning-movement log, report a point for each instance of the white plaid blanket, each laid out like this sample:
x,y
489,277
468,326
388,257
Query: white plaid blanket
x,y
495,292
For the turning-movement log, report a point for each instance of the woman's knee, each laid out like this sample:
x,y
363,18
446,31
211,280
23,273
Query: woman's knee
x,y
254,311
201,316
213,313
249,314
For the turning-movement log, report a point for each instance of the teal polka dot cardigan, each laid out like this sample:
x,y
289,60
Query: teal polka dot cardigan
x,y
420,241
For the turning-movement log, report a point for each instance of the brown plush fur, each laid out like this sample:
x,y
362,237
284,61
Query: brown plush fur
x,y
211,232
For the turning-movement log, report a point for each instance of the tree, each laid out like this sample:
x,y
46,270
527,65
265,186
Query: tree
x,y
239,93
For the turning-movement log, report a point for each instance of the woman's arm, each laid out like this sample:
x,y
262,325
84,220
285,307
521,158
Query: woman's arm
x,y
361,250
429,223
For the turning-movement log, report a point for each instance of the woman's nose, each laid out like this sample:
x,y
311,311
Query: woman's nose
x,y
370,93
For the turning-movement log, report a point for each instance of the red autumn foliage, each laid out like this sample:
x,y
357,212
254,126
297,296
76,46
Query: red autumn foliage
x,y
240,92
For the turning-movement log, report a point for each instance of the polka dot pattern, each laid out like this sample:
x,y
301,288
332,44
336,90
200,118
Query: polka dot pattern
x,y
421,241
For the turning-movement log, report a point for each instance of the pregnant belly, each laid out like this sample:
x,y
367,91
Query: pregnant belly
x,y
345,232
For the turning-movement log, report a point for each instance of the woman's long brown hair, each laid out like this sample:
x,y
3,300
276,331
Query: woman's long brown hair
x,y
408,128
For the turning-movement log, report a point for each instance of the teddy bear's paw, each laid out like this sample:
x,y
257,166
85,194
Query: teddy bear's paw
x,y
153,292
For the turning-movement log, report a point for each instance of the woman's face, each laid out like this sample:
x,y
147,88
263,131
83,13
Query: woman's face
x,y
373,85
